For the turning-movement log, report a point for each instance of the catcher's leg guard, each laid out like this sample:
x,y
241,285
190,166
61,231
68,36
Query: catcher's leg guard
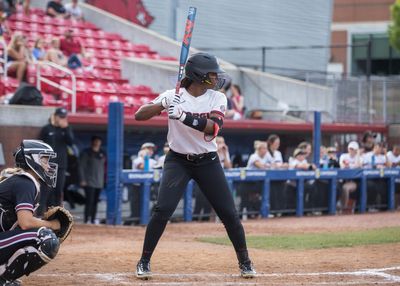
x,y
29,259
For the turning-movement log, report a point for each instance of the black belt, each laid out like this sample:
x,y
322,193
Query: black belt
x,y
194,157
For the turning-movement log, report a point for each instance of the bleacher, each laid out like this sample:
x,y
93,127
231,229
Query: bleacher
x,y
99,81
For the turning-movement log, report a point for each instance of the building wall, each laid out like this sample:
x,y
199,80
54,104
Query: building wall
x,y
361,10
356,17
257,23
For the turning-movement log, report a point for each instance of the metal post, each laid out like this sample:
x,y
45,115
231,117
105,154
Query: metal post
x,y
391,192
187,203
144,203
264,51
363,194
115,139
360,101
384,103
317,136
332,197
368,74
300,197
265,199
369,57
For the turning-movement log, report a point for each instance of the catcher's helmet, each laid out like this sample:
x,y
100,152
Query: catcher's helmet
x,y
199,65
36,155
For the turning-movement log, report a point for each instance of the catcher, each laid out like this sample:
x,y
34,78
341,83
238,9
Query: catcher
x,y
27,243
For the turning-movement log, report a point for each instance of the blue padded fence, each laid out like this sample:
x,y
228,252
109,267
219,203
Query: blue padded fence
x,y
241,175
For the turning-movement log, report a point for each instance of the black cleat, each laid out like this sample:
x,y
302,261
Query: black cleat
x,y
247,270
143,270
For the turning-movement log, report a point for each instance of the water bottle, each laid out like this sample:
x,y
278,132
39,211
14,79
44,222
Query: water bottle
x,y
146,166
325,164
373,161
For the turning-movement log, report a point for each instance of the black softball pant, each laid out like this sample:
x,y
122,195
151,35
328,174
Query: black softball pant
x,y
209,175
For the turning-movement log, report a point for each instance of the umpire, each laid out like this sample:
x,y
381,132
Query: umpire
x,y
58,134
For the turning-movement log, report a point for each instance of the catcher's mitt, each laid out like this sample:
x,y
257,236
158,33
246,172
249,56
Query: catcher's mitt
x,y
64,217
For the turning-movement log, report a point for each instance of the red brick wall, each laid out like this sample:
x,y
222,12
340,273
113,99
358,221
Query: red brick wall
x,y
361,10
339,55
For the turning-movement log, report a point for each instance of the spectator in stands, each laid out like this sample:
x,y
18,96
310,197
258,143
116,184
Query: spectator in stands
x,y
376,158
368,141
257,160
312,196
58,134
376,188
350,160
17,60
223,153
250,192
73,49
274,156
306,147
237,100
333,161
142,162
38,51
56,9
54,54
92,165
394,156
275,161
299,160
3,23
74,10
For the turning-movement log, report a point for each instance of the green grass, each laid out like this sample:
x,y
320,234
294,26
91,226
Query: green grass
x,y
317,240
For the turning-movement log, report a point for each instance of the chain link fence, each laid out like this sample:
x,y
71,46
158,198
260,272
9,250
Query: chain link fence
x,y
359,100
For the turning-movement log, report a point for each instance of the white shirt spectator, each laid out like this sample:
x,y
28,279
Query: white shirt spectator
x,y
140,160
393,159
347,161
75,12
367,160
276,158
294,162
255,158
160,162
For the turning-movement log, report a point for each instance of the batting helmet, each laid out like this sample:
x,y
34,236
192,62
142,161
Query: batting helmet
x,y
35,155
199,65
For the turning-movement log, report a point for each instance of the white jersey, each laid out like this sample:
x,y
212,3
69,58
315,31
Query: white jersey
x,y
140,160
294,162
367,160
184,139
346,161
276,158
393,158
255,158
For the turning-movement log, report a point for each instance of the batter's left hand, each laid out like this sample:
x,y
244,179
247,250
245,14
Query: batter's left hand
x,y
175,112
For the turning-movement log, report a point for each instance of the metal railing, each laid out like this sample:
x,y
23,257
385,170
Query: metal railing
x,y
40,78
4,58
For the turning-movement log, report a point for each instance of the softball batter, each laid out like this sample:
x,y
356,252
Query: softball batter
x,y
195,117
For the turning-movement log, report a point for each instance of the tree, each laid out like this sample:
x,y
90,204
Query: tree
x,y
394,27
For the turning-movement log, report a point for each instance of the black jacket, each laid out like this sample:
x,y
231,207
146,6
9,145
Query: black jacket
x,y
58,138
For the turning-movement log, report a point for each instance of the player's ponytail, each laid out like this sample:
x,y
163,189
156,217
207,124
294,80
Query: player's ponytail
x,y
6,173
186,82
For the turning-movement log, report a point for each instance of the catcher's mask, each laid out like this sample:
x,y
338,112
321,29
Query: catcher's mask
x,y
200,67
36,155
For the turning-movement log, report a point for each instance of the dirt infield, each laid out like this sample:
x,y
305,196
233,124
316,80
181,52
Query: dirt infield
x,y
100,255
